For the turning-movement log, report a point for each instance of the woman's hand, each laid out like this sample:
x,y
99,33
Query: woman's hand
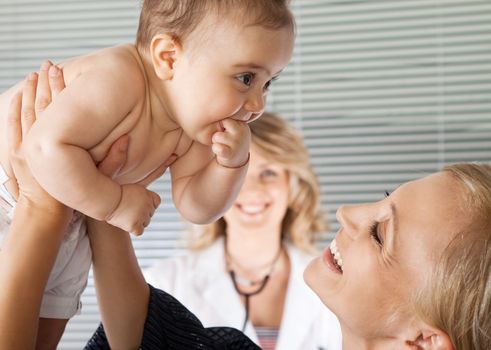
x,y
22,115
38,221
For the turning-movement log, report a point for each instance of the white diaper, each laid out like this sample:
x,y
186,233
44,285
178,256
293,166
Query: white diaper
x,y
70,272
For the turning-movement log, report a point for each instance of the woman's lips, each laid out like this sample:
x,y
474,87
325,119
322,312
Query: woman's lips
x,y
328,259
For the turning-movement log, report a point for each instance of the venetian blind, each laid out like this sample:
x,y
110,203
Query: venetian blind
x,y
384,91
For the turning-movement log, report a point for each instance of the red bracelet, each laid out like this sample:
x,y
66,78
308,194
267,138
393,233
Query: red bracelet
x,y
235,167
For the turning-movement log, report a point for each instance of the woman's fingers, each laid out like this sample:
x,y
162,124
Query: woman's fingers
x,y
154,175
50,84
116,157
28,113
14,139
56,82
14,132
43,92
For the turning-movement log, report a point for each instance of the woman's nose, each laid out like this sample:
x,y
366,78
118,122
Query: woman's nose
x,y
250,185
349,217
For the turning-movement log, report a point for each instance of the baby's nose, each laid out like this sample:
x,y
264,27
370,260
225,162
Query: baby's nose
x,y
243,118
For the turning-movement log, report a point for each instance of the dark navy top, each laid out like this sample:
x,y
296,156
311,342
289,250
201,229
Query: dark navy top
x,y
169,325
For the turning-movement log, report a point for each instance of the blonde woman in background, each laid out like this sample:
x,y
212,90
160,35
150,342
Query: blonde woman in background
x,y
245,270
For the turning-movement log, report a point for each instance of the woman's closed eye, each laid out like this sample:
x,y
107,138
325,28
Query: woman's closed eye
x,y
375,228
375,233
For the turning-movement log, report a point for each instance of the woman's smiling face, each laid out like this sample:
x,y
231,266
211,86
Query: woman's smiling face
x,y
386,250
263,200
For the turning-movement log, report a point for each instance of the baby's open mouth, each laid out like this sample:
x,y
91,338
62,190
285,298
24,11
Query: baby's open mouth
x,y
338,260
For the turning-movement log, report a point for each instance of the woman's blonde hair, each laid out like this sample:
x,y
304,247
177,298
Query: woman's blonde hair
x,y
280,143
457,297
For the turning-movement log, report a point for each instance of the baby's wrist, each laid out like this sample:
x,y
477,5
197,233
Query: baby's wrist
x,y
111,213
235,167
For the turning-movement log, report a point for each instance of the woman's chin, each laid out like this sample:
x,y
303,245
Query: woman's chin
x,y
322,281
313,279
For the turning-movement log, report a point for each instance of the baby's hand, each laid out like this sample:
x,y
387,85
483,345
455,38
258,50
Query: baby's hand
x,y
135,209
231,144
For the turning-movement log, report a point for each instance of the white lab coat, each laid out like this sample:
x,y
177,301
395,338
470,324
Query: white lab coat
x,y
199,281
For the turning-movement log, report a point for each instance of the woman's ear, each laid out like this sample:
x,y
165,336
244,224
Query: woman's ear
x,y
164,49
431,338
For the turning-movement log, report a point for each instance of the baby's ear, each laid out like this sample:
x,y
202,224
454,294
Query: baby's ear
x,y
430,338
164,49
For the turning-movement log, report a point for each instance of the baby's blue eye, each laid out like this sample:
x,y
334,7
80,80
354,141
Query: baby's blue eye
x,y
246,79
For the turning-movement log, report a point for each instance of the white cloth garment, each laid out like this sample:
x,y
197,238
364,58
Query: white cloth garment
x,y
199,281
68,277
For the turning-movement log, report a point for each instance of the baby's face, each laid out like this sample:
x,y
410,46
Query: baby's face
x,y
225,71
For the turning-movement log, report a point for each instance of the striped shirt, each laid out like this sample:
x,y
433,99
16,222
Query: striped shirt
x,y
267,337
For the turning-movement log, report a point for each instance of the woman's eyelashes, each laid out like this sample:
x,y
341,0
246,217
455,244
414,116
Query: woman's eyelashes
x,y
375,233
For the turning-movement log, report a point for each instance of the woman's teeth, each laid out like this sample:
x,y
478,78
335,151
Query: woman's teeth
x,y
336,254
252,209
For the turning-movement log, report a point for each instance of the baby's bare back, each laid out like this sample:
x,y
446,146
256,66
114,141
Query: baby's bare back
x,y
149,148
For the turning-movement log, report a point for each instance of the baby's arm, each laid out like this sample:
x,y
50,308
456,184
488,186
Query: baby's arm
x,y
204,187
80,117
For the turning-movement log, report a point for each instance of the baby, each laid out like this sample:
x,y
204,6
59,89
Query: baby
x,y
184,93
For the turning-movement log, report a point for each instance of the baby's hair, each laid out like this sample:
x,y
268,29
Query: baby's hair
x,y
180,17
